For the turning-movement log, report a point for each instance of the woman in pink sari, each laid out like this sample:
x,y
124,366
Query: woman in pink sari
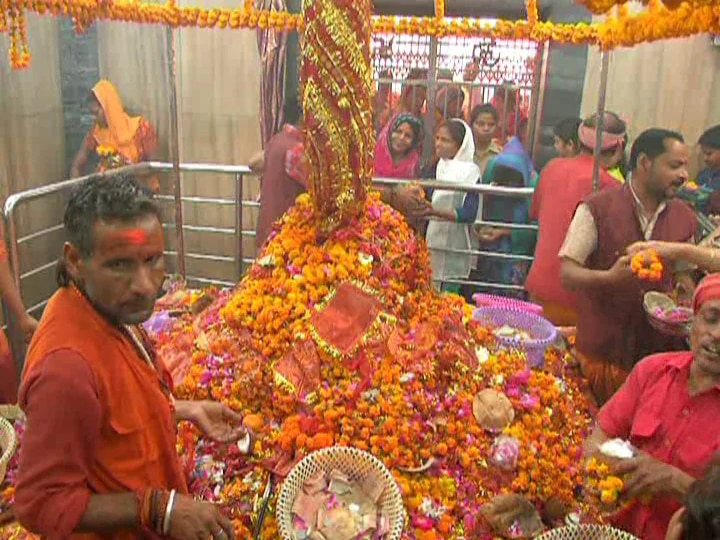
x,y
397,151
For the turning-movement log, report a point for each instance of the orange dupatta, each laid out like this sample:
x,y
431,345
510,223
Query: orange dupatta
x,y
121,128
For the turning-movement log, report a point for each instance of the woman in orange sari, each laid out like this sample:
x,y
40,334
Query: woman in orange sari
x,y
117,139
27,324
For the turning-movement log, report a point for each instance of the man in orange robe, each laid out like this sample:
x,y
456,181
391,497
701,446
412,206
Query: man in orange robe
x,y
99,455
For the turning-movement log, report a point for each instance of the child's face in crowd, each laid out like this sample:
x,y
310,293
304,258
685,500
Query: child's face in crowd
x,y
564,149
445,145
484,127
711,157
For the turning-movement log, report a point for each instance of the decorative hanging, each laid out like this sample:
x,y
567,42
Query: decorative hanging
x,y
337,86
664,19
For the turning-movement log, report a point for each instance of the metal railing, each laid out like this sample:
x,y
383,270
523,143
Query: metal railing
x,y
17,237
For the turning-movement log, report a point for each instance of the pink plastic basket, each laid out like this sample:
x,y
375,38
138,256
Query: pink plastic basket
x,y
542,332
491,300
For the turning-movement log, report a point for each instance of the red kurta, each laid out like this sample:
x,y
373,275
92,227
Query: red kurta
x,y
654,410
99,420
564,183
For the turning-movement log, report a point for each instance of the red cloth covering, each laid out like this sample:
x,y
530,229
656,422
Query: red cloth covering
x,y
300,368
654,410
563,184
708,289
99,419
347,318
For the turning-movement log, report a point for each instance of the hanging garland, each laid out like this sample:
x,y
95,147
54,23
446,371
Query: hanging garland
x,y
533,15
439,9
600,7
657,23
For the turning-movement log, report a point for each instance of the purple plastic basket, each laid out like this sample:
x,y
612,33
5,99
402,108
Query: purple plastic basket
x,y
543,333
491,300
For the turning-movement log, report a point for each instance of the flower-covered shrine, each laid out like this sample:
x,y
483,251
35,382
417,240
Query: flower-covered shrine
x,y
335,335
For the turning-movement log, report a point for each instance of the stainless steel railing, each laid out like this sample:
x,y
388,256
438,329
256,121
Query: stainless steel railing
x,y
17,237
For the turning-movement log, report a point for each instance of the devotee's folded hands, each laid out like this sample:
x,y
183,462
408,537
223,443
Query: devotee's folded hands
x,y
193,520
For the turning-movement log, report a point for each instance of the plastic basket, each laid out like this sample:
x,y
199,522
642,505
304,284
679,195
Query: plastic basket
x,y
586,532
356,464
542,332
491,300
8,445
654,300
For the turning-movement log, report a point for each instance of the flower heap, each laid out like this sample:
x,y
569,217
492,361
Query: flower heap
x,y
406,397
412,408
12,531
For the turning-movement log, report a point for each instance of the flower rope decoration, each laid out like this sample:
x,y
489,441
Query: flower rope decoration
x,y
440,9
533,15
667,20
600,7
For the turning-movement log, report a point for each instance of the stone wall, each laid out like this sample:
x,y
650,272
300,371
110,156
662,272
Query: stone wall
x,y
79,71
564,81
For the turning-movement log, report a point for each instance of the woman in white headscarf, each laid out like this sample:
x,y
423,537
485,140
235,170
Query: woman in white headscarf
x,y
454,211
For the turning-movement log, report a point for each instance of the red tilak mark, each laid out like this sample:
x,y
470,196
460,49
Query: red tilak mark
x,y
134,236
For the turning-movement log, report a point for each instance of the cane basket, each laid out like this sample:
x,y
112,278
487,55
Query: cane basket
x,y
356,464
586,532
8,445
652,301
541,331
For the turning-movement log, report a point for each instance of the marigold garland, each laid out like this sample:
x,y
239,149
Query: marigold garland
x,y
439,9
647,265
533,15
657,23
603,6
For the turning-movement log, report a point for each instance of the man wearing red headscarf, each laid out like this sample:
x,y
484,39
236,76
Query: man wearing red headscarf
x,y
669,409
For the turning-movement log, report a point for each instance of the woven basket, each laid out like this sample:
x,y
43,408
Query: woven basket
x,y
542,332
586,532
654,300
487,300
356,464
8,445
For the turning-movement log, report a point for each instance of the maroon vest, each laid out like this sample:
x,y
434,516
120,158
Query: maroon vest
x,y
612,324
278,190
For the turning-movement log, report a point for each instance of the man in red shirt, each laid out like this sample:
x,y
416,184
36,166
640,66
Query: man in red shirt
x,y
563,184
99,452
669,410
